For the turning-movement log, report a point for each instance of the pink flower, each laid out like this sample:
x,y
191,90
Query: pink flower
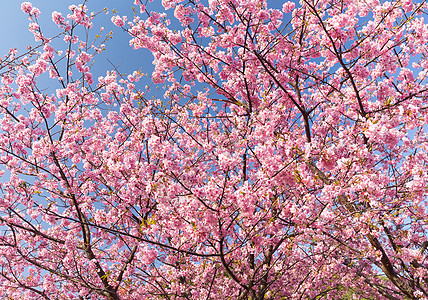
x,y
117,21
57,18
39,67
288,7
407,5
33,27
35,12
26,7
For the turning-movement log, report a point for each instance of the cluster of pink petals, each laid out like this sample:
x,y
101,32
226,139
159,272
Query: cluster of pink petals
x,y
287,157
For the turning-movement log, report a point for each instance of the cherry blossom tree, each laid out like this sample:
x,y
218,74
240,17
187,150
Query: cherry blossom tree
x,y
283,156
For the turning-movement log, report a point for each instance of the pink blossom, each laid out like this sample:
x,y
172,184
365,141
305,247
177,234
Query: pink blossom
x,y
58,18
285,155
26,7
35,12
287,7
33,26
117,20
